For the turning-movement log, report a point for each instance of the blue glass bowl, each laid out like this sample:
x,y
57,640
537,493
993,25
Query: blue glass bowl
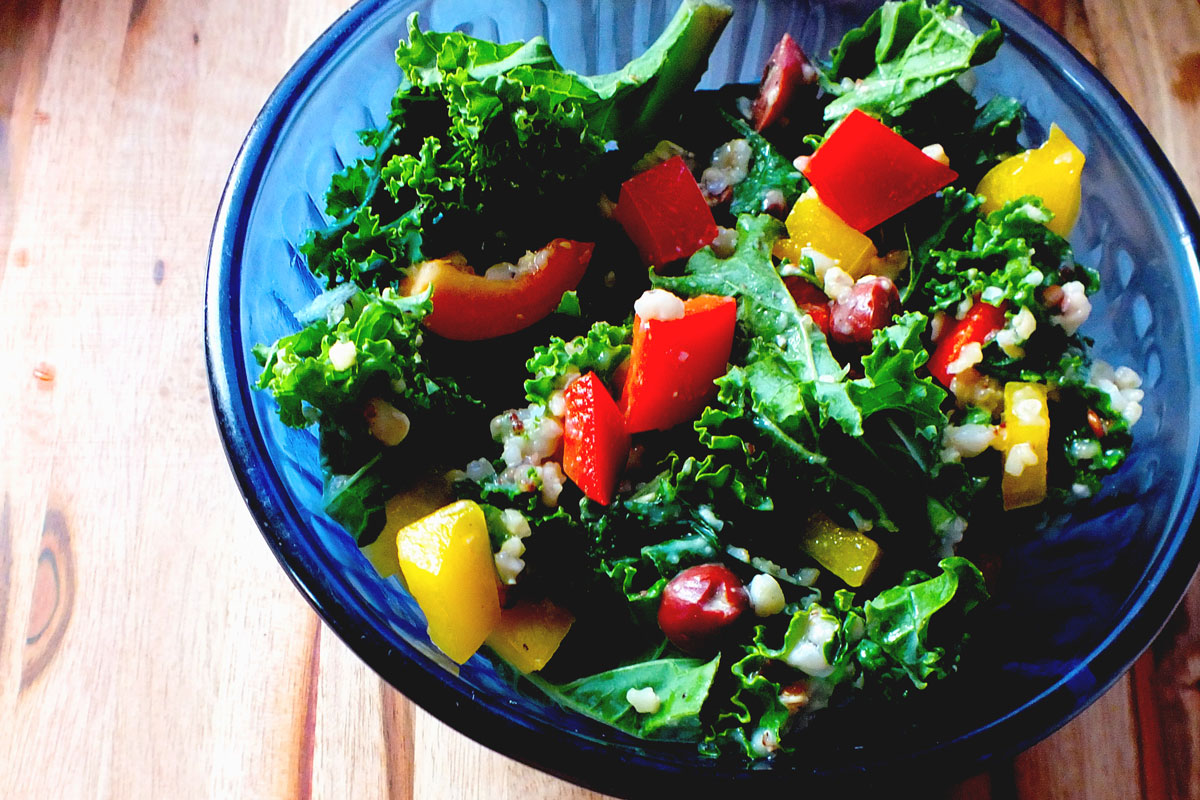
x,y
1080,603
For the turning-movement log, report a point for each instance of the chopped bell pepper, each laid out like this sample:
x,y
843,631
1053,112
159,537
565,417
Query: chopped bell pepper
x,y
595,444
845,552
673,363
664,213
811,224
1051,172
402,509
1026,444
528,634
446,559
867,173
981,321
469,307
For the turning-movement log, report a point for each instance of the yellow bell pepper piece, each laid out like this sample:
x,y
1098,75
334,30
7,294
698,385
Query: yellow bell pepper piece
x,y
843,551
446,560
813,224
1026,444
1051,172
530,633
406,507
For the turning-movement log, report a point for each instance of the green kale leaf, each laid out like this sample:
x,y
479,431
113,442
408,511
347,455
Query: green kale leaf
x,y
364,346
378,337
629,101
490,148
1008,256
889,641
786,403
767,314
769,172
904,51
898,639
681,685
600,350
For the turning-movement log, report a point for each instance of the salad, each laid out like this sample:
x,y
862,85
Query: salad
x,y
704,411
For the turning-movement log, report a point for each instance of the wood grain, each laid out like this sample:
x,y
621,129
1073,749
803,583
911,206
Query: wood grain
x,y
149,644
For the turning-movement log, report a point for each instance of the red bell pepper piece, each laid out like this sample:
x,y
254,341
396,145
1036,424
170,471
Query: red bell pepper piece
x,y
981,321
595,443
673,363
664,213
867,173
468,306
786,69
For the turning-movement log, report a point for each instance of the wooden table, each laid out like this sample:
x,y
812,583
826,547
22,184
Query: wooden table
x,y
150,646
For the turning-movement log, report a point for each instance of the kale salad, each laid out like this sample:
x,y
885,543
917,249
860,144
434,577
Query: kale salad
x,y
704,411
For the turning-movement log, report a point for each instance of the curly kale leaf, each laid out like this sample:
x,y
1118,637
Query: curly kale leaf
x,y
899,652
974,138
889,643
890,381
377,337
364,346
767,313
1008,256
600,350
769,172
491,144
681,684
902,53
786,407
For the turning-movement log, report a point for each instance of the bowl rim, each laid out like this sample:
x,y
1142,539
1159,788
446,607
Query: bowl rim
x,y
580,759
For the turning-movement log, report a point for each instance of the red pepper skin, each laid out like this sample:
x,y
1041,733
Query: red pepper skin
x,y
664,213
786,69
980,322
673,363
470,307
867,173
595,442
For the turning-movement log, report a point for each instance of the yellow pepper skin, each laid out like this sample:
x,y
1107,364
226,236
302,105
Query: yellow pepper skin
x,y
409,506
845,552
446,560
1051,172
530,633
814,225
1026,422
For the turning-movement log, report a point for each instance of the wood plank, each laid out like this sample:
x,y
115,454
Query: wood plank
x,y
1092,758
149,644
1166,684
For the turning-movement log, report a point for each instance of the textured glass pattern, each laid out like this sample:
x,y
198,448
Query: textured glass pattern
x,y
1083,599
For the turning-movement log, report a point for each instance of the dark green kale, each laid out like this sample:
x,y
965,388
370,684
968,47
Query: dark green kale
x,y
902,53
1008,257
363,350
490,148
681,686
376,338
886,646
789,397
769,172
600,350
